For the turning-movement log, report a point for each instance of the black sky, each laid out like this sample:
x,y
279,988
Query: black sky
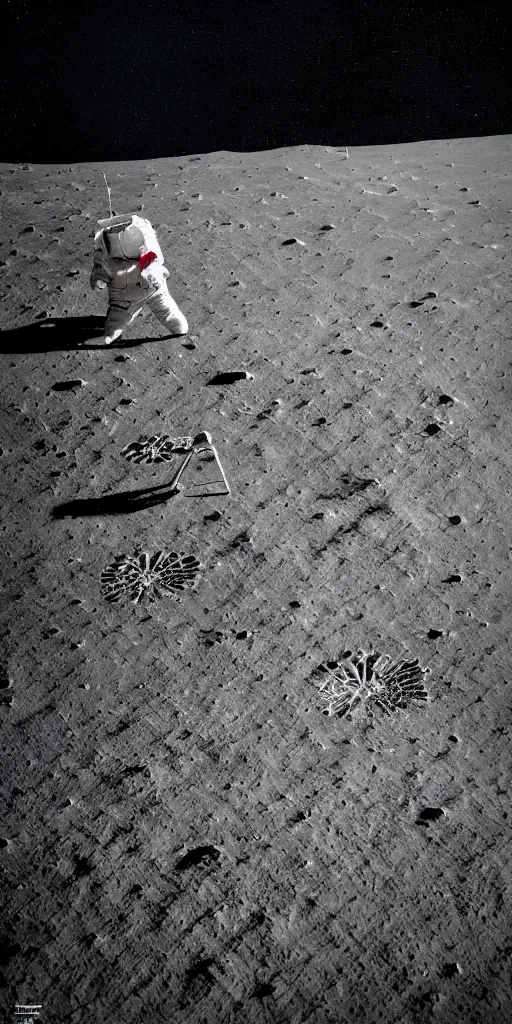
x,y
115,79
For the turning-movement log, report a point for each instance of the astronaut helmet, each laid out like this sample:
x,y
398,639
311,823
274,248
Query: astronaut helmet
x,y
126,236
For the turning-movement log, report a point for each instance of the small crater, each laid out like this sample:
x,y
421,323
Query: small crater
x,y
450,970
377,323
445,400
432,428
211,637
51,631
68,385
454,578
230,377
213,516
454,520
200,855
346,351
83,866
8,950
348,483
28,230
243,537
263,989
430,814
434,634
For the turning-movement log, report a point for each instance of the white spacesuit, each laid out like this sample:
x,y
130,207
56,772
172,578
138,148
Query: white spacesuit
x,y
128,259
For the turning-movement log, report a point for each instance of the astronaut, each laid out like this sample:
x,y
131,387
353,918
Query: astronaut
x,y
129,260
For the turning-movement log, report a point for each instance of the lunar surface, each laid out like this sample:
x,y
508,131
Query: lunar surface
x,y
256,708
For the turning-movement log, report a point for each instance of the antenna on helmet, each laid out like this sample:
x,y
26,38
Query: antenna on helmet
x,y
108,190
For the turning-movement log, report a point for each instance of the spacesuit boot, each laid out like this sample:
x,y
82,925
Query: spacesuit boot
x,y
128,259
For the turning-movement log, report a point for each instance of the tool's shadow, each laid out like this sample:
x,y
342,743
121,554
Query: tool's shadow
x,y
122,503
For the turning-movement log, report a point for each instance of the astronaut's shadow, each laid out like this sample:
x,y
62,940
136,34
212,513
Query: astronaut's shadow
x,y
53,334
122,503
